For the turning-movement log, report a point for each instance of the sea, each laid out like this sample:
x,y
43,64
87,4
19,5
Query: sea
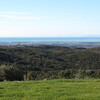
x,y
49,39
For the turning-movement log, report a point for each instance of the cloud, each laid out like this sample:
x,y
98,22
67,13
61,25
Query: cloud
x,y
18,15
20,18
15,13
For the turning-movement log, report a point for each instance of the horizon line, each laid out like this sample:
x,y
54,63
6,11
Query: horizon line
x,y
55,37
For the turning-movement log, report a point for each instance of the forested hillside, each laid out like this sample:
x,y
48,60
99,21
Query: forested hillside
x,y
45,61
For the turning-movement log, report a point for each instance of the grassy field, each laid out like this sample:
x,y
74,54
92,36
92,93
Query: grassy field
x,y
62,89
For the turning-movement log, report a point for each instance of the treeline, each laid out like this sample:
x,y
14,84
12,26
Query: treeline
x,y
40,62
11,73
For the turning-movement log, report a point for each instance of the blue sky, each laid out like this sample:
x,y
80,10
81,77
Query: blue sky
x,y
49,18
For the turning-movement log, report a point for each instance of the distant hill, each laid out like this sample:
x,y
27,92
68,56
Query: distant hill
x,y
50,57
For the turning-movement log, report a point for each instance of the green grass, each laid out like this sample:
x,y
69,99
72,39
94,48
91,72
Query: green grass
x,y
61,89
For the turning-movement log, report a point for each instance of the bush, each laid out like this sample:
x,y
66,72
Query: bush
x,y
13,73
29,76
10,73
2,73
90,73
65,74
80,73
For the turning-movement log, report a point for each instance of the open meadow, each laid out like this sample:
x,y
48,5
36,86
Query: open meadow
x,y
58,89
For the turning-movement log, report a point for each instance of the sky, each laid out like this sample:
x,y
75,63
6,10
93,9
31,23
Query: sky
x,y
49,18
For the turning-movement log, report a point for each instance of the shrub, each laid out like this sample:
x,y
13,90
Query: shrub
x,y
2,73
90,73
13,73
65,74
29,76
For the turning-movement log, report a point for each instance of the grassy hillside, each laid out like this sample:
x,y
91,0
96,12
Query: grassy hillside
x,y
70,89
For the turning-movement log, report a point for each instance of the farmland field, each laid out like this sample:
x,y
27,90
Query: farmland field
x,y
58,89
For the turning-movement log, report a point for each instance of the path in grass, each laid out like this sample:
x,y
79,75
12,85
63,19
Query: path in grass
x,y
51,90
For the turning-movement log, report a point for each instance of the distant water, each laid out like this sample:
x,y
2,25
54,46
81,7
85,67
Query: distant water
x,y
50,39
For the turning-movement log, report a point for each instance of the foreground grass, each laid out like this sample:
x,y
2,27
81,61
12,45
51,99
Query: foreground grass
x,y
62,89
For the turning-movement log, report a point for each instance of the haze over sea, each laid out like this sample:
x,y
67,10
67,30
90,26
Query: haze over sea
x,y
49,39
